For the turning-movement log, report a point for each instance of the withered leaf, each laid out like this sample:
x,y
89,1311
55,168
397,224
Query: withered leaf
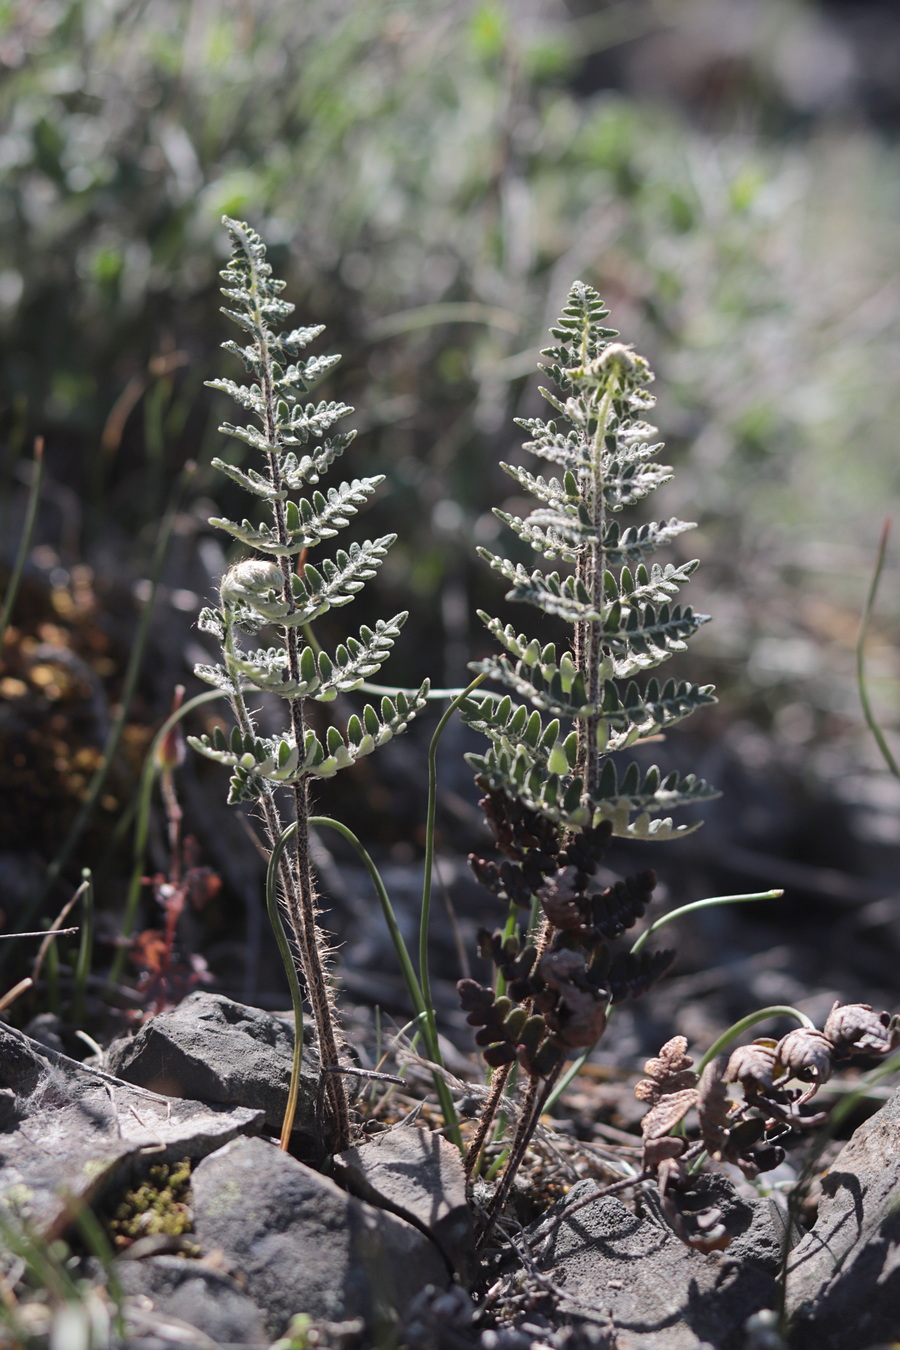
x,y
667,1112
854,1027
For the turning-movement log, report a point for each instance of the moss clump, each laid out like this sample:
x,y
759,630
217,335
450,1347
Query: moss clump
x,y
159,1205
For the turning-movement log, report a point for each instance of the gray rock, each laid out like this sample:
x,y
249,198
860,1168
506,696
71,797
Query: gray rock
x,y
843,1284
609,1263
69,1131
196,1293
301,1244
757,1225
212,1049
420,1176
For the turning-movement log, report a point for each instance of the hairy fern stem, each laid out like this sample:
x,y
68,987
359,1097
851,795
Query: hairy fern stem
x,y
554,794
298,444
301,896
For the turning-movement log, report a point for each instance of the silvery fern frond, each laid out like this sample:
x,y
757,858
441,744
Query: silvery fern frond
x,y
293,440
622,611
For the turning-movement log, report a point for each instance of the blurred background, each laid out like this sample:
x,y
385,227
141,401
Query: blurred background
x,y
430,178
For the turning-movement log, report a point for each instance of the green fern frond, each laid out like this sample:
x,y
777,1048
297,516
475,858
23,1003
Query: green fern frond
x,y
336,581
298,440
297,470
321,676
624,610
560,540
248,396
556,693
565,597
643,586
510,725
637,542
518,773
307,522
250,481
300,425
628,480
276,759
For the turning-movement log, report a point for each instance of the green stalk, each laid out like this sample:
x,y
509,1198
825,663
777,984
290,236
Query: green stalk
x,y
512,920
738,1029
290,969
387,909
34,492
85,946
51,962
424,974
500,1161
114,735
142,828
701,904
862,685
416,993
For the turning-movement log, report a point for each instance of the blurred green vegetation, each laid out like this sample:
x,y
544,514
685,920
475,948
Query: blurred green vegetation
x,y
431,177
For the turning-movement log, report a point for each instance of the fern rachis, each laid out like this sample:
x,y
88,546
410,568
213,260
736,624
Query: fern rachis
x,y
298,443
554,794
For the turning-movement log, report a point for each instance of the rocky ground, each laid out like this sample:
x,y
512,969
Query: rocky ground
x,y
377,1246
378,1249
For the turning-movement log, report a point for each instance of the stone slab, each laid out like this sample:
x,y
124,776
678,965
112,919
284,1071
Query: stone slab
x,y
611,1263
69,1131
418,1175
843,1284
212,1049
298,1243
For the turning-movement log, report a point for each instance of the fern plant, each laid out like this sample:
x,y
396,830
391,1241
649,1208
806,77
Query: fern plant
x,y
554,795
279,587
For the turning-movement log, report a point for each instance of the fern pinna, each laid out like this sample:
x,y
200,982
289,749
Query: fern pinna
x,y
554,794
297,441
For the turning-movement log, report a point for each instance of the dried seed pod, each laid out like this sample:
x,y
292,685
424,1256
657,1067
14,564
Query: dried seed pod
x,y
853,1028
753,1065
807,1054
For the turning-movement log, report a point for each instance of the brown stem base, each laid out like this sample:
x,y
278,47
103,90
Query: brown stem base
x,y
498,1084
532,1109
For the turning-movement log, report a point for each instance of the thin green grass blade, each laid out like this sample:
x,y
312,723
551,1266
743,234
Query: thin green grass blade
x,y
861,680
290,970
420,1001
34,493
85,947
